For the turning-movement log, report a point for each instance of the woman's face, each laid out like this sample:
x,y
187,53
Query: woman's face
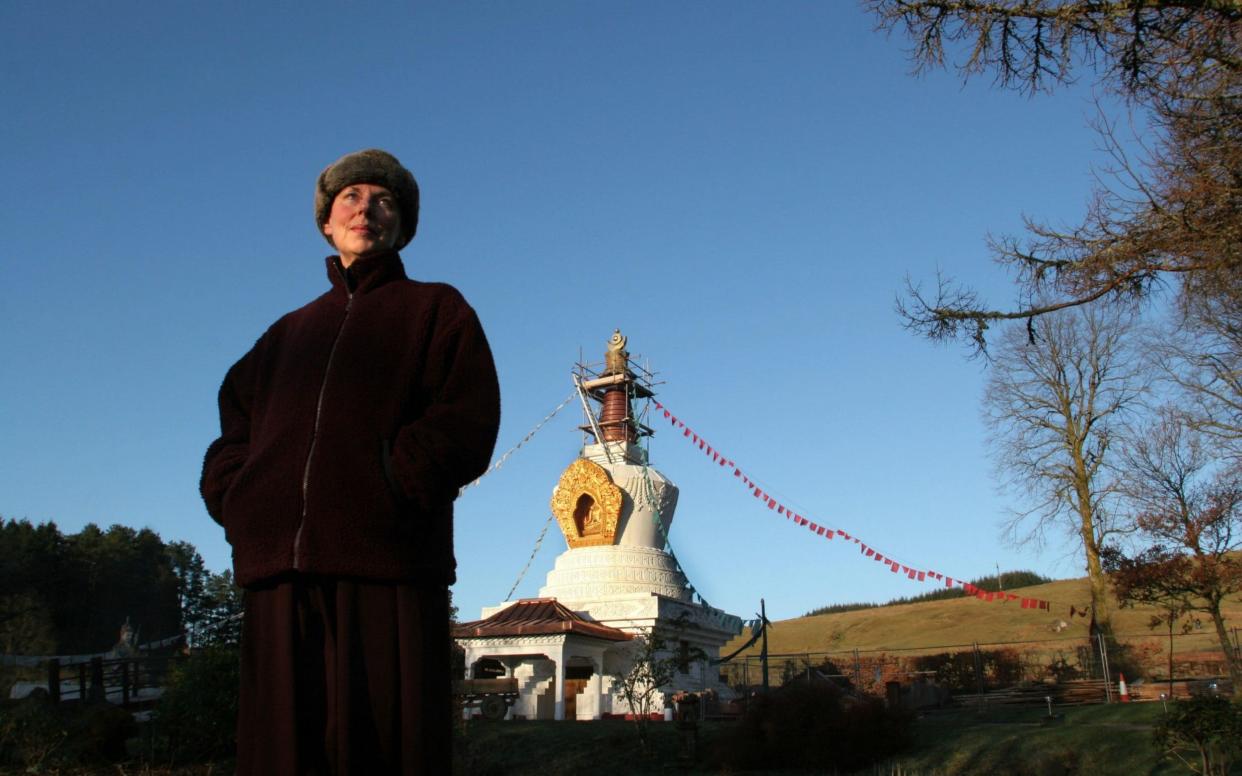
x,y
364,221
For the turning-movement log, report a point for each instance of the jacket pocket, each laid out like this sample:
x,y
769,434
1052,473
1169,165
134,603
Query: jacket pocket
x,y
227,506
394,489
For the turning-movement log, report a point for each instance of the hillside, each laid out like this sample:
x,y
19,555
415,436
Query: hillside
x,y
934,625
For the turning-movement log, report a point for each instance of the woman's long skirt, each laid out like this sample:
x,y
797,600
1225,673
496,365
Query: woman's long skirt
x,y
340,676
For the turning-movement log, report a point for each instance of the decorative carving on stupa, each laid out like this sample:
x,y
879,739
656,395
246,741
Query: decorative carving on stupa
x,y
587,504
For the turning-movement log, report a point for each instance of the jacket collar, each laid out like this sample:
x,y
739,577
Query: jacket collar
x,y
365,274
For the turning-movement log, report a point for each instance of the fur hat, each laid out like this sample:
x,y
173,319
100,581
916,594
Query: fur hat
x,y
370,166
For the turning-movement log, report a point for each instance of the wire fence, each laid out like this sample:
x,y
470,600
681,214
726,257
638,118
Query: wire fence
x,y
1082,667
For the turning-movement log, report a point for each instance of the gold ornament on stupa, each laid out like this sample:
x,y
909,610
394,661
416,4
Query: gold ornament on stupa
x,y
616,358
587,504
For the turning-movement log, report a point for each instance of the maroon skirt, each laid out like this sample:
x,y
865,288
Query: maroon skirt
x,y
340,676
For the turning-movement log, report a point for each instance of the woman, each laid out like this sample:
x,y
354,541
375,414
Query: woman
x,y
346,432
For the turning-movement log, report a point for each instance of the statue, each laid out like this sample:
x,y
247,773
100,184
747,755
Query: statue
x,y
616,358
125,646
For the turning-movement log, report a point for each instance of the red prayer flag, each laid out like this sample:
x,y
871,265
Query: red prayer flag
x,y
911,573
878,556
819,529
922,576
893,568
868,550
828,535
780,510
948,581
771,503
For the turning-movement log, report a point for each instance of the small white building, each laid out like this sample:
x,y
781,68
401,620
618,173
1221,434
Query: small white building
x,y
614,581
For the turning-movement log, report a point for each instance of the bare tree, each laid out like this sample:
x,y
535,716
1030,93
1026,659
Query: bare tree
x,y
1175,214
1203,358
1189,508
1056,403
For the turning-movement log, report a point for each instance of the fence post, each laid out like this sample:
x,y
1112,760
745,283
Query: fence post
x,y
53,679
124,683
857,670
98,693
763,651
978,672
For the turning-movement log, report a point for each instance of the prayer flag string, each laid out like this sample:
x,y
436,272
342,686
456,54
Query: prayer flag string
x,y
820,529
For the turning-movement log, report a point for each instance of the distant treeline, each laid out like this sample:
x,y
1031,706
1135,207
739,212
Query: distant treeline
x,y
71,593
1009,580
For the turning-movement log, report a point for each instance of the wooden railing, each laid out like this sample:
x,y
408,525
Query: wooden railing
x,y
116,680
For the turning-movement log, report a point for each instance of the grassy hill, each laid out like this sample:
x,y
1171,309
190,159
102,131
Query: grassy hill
x,y
952,625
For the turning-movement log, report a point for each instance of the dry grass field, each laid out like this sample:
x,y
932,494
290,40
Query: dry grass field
x,y
955,624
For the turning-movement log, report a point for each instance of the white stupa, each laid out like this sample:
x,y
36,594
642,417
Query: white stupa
x,y
614,511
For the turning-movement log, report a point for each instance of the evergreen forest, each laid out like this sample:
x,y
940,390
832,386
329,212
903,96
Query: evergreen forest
x,y
69,594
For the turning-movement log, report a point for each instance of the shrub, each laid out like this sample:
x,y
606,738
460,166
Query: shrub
x,y
816,726
37,734
1204,733
956,670
197,716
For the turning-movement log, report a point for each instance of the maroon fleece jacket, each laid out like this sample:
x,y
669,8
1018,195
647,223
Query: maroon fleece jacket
x,y
348,429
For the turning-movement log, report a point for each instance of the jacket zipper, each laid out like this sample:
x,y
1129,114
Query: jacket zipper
x,y
310,454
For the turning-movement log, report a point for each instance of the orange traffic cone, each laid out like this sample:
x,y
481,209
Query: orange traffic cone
x,y
1124,692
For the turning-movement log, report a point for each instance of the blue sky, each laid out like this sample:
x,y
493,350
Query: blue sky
x,y
740,187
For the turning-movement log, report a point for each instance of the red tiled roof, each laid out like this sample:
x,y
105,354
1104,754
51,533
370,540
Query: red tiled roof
x,y
536,617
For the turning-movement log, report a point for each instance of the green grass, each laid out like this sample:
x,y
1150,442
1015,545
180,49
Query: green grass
x,y
1096,740
1103,740
1087,740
